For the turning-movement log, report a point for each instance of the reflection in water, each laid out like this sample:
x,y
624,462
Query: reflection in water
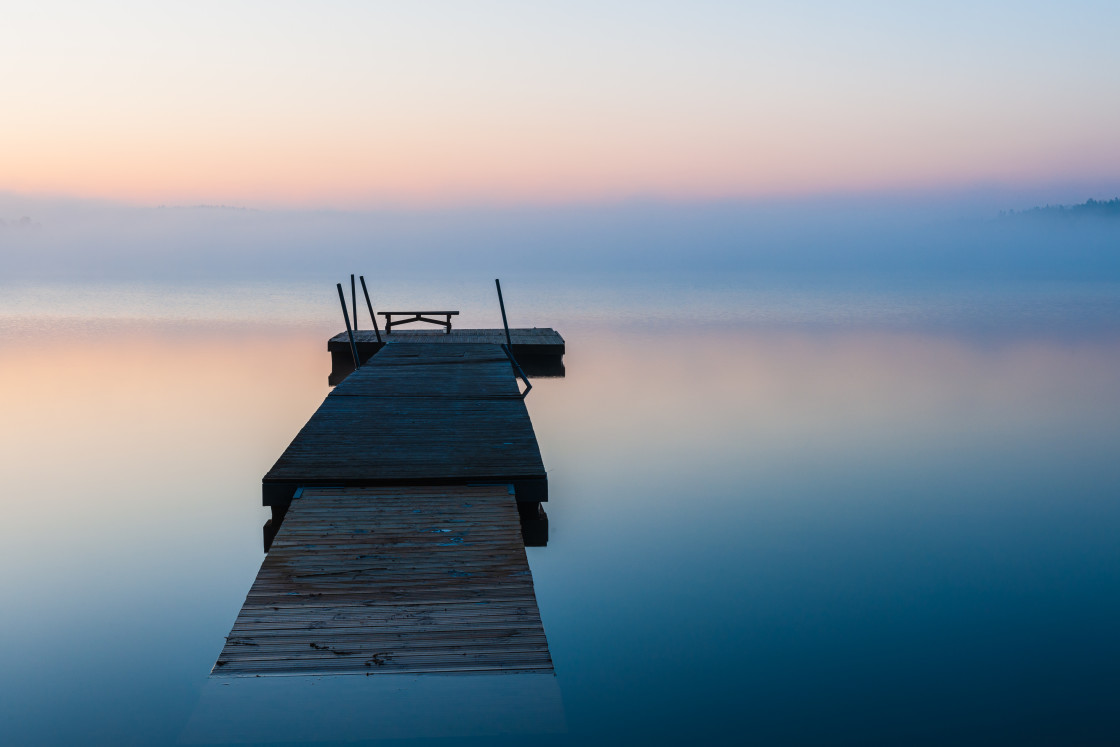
x,y
352,709
914,528
908,535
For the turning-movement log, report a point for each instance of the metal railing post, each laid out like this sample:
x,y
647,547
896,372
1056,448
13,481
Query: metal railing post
x,y
354,301
369,305
349,331
519,371
503,305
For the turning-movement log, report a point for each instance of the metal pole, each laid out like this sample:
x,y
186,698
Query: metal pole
x,y
349,332
354,301
517,368
370,307
503,305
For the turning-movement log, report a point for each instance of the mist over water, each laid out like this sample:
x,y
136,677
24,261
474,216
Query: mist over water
x,y
915,238
819,473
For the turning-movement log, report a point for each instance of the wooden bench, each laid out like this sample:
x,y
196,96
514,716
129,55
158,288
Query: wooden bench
x,y
418,316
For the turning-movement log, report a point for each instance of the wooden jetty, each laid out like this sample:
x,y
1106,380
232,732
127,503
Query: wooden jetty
x,y
403,580
400,516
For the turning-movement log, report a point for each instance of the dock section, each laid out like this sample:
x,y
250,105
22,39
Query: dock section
x,y
397,580
540,351
417,414
401,512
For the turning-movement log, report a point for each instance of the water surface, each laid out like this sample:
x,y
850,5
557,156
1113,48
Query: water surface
x,y
812,515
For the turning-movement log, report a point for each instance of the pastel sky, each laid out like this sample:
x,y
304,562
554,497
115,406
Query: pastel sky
x,y
364,104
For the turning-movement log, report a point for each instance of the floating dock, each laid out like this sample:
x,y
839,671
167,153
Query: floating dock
x,y
401,511
540,351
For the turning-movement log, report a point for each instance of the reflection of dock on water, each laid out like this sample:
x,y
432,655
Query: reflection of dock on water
x,y
400,513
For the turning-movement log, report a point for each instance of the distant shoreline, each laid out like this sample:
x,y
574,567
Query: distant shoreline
x,y
1089,208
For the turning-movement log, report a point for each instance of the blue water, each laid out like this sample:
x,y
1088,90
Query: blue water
x,y
829,514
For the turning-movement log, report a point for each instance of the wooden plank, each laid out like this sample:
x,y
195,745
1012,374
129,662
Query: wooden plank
x,y
421,579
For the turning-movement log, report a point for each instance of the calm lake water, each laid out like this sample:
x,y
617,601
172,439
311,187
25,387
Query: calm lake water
x,y
779,514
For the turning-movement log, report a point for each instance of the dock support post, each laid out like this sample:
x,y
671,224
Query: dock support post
x,y
534,524
349,331
369,306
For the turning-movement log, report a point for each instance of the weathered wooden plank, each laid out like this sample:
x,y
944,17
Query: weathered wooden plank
x,y
367,581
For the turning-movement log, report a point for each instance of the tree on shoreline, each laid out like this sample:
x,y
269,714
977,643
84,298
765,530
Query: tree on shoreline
x,y
1089,208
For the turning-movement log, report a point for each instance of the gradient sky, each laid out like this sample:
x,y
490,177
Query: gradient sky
x,y
364,104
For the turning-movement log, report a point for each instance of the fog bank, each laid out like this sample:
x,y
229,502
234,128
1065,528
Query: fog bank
x,y
962,236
